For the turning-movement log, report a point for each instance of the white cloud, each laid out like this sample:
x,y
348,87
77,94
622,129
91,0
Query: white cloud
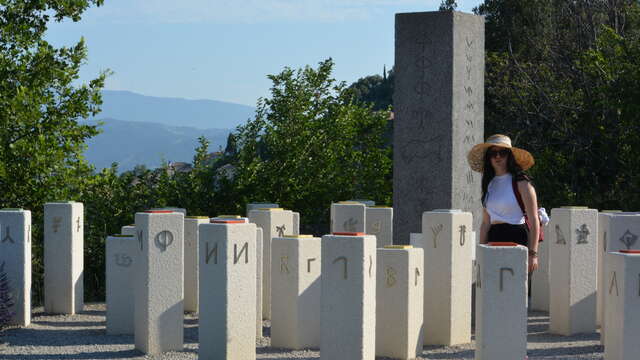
x,y
251,11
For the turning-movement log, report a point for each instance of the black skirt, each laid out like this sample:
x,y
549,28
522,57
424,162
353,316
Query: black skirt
x,y
509,233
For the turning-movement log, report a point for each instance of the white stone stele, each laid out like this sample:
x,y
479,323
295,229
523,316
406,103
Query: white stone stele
x,y
603,228
540,277
623,233
63,257
15,258
296,223
447,276
295,287
191,224
158,282
573,233
227,327
348,216
255,206
120,253
622,294
399,302
274,222
259,252
348,301
501,303
379,221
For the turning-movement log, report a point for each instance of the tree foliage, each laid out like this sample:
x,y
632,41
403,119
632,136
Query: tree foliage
x,y
310,144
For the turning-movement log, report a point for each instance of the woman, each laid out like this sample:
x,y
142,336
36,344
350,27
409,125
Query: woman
x,y
503,219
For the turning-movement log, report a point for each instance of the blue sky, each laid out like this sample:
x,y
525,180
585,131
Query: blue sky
x,y
223,49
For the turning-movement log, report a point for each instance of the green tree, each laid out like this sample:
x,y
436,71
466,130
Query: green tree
x,y
41,138
311,143
448,5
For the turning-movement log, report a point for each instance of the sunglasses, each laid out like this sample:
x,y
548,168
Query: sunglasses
x,y
501,152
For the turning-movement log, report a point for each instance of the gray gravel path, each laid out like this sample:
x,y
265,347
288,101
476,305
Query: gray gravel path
x,y
83,336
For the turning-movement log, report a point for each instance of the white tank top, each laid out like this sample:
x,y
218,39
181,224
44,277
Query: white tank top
x,y
501,202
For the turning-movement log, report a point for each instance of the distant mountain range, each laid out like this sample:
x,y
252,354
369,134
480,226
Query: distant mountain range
x,y
200,114
144,130
131,143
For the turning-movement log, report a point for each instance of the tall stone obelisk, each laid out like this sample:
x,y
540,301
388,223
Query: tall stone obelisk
x,y
438,115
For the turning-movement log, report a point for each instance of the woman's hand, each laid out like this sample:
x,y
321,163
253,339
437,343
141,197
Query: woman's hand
x,y
533,263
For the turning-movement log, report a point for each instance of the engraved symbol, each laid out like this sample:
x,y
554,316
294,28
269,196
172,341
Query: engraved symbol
x,y
8,237
245,250
583,232
502,270
123,260
468,90
469,123
436,230
469,57
376,228
56,223
164,239
345,264
422,88
468,68
604,242
391,276
350,224
560,239
140,239
284,264
628,239
614,282
470,177
209,253
78,224
470,106
309,264
280,230
417,274
370,265
469,43
478,277
463,234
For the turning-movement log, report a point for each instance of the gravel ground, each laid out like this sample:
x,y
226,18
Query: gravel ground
x,y
83,337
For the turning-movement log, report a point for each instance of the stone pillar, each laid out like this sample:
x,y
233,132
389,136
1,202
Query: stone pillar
x,y
399,302
295,285
120,253
501,302
348,301
572,270
191,224
540,277
379,222
603,227
621,232
274,222
129,230
159,282
622,270
438,115
63,257
227,268
259,252
348,216
255,206
447,277
15,260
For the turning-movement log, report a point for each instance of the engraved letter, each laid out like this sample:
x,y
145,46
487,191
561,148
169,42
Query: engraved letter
x,y
245,250
309,264
344,259
284,264
502,270
614,282
417,274
213,252
391,276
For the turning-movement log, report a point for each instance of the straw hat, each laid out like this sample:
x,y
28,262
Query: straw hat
x,y
477,153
